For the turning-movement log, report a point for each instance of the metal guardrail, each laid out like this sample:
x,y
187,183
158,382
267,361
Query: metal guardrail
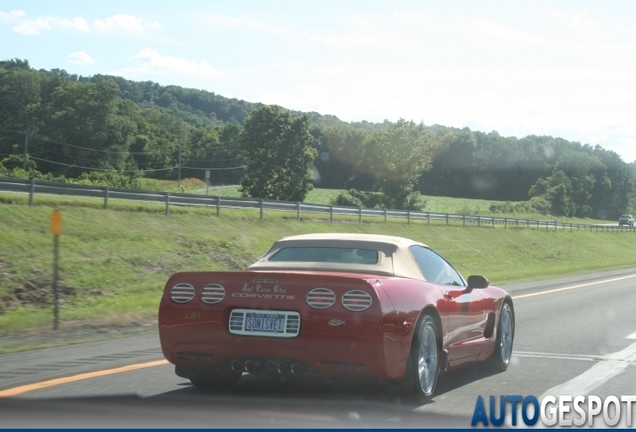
x,y
34,187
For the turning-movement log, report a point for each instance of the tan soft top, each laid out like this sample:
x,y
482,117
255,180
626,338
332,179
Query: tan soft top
x,y
394,256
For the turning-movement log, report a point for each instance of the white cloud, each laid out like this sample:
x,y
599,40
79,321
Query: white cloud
x,y
154,63
80,58
48,23
34,27
126,22
12,16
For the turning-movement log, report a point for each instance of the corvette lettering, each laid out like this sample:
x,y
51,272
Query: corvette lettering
x,y
264,296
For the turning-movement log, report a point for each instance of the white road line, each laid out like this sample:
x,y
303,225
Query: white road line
x,y
559,356
613,365
632,336
596,376
607,368
571,287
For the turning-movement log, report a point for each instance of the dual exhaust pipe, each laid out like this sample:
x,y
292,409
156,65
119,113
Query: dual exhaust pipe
x,y
283,369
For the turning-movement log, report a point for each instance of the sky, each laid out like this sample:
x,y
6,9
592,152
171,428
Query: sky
x,y
560,68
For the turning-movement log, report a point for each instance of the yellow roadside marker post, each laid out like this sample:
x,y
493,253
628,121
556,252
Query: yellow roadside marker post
x,y
56,230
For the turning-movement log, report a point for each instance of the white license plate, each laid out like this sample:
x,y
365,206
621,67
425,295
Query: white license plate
x,y
264,323
250,322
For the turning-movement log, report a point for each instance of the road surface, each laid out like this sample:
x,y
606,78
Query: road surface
x,y
574,335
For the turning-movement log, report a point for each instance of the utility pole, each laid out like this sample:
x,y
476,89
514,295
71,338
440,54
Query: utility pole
x,y
26,147
56,230
179,168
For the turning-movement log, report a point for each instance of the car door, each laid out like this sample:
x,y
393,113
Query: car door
x,y
462,308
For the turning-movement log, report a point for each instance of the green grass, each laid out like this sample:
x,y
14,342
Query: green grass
x,y
434,204
322,196
187,185
118,260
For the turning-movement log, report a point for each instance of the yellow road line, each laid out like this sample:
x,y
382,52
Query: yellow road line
x,y
571,287
50,383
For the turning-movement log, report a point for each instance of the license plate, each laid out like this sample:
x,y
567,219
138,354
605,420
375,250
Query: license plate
x,y
251,322
264,323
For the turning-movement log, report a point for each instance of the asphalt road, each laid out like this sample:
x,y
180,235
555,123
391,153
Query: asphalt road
x,y
573,336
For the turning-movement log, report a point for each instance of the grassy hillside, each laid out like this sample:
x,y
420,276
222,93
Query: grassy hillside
x,y
434,204
114,263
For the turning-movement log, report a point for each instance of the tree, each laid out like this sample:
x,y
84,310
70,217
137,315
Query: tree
x,y
397,157
88,128
339,158
556,190
279,150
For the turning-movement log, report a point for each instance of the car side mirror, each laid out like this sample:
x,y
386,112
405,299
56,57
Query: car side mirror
x,y
478,282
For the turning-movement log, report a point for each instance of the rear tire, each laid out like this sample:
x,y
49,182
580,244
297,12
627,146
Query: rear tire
x,y
500,359
425,359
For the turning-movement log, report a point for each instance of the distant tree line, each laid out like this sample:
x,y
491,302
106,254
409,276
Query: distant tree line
x,y
109,129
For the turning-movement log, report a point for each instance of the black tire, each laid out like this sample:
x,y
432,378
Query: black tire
x,y
216,380
500,359
425,359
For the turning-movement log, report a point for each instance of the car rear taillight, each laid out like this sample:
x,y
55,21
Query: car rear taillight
x,y
320,298
212,294
356,300
182,293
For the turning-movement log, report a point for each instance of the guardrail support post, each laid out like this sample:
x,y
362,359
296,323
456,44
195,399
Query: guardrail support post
x,y
31,195
408,217
359,215
493,222
218,206
106,198
167,203
428,218
478,221
331,214
260,202
446,219
505,222
298,210
463,220
385,215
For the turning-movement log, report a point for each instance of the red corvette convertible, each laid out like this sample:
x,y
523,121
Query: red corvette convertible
x,y
335,305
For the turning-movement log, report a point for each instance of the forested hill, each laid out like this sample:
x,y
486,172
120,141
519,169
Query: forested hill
x,y
76,126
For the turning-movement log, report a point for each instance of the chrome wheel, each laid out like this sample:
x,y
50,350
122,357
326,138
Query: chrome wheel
x,y
427,358
505,336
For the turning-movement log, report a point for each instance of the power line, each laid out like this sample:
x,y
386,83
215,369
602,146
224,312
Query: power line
x,y
139,164
101,169
134,153
215,169
137,170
